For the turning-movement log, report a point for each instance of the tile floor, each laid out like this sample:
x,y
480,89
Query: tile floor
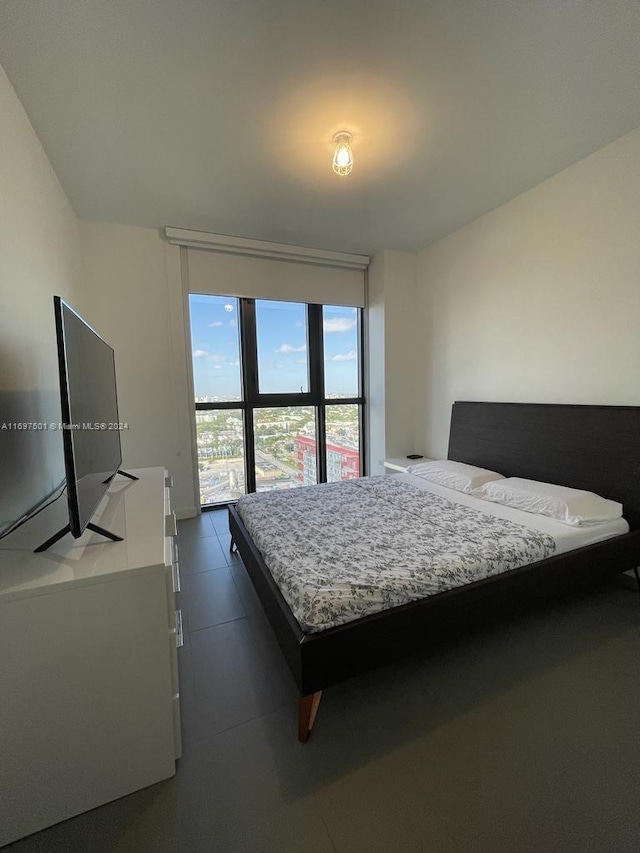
x,y
522,738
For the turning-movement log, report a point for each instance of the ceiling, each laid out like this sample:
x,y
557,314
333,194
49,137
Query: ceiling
x,y
217,115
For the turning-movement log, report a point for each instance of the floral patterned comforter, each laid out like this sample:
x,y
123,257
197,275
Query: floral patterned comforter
x,y
340,551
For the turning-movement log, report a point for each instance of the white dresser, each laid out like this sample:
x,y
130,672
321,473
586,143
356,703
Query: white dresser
x,y
89,701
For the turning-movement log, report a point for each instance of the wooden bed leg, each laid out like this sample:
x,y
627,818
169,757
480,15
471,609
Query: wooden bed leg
x,y
307,711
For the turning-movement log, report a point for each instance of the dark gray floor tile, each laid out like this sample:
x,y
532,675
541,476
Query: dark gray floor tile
x,y
547,640
225,541
209,598
488,762
233,558
197,527
362,764
496,759
382,806
591,808
439,786
268,648
245,587
200,554
366,718
220,520
258,799
234,680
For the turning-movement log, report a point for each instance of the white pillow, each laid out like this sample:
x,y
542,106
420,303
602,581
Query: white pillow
x,y
570,506
454,475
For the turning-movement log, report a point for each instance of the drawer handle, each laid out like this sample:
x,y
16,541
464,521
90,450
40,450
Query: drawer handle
x,y
170,525
179,631
175,574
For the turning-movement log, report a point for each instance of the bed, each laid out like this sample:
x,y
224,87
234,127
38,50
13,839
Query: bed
x,y
595,448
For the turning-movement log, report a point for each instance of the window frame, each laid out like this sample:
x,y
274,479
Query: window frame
x,y
252,398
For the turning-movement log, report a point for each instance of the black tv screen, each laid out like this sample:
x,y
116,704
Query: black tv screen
x,y
89,403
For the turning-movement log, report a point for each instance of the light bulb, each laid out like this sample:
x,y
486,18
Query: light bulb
x,y
343,155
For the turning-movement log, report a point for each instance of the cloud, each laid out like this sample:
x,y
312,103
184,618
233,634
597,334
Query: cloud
x,y
200,353
339,324
347,356
216,357
216,324
287,348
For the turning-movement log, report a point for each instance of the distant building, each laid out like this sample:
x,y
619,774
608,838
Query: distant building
x,y
343,463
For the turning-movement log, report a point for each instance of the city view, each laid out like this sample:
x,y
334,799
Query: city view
x,y
285,448
285,437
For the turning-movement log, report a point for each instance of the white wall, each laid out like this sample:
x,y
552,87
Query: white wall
x,y
133,296
538,300
375,342
400,345
391,347
39,257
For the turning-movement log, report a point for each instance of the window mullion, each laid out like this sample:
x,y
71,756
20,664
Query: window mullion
x,y
316,369
249,350
321,432
363,414
249,385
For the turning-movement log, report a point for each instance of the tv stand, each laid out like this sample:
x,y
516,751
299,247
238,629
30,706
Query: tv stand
x,y
124,474
89,664
67,529
90,526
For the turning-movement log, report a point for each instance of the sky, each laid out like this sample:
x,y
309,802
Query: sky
x,y
282,347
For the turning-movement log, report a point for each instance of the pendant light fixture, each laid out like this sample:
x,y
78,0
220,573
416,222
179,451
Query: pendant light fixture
x,y
343,155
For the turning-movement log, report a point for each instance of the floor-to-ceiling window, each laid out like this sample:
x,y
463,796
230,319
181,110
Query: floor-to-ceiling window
x,y
278,394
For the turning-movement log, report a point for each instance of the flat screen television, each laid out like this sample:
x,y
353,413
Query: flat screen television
x,y
90,423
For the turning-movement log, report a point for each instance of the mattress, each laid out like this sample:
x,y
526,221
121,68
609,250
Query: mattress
x,y
341,551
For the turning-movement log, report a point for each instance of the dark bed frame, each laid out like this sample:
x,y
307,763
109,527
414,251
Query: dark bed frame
x,y
596,448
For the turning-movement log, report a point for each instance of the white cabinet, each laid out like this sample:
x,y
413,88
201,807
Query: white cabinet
x,y
89,700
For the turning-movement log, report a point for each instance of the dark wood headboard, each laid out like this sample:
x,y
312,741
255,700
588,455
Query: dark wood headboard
x,y
596,448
